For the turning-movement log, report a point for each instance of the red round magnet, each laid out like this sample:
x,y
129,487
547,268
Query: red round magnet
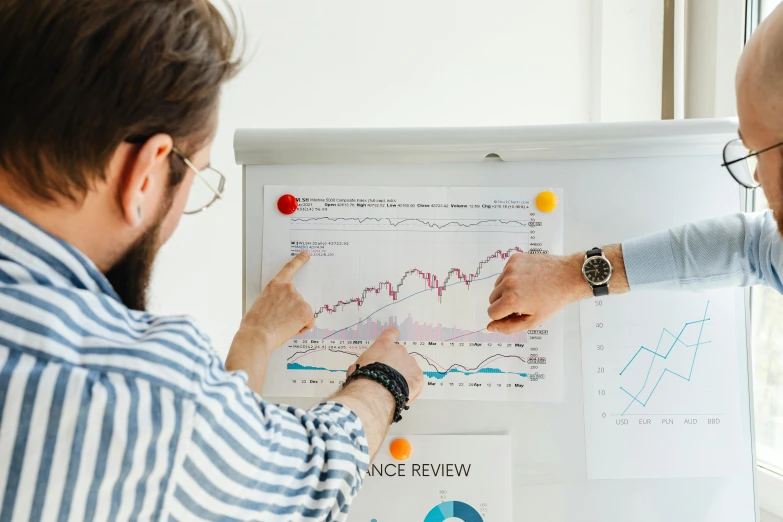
x,y
287,204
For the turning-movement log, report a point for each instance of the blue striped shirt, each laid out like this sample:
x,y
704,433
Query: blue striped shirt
x,y
112,414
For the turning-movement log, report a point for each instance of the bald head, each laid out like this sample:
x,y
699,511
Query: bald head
x,y
760,106
760,84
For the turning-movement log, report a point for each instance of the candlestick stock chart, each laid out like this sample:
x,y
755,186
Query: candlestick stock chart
x,y
383,258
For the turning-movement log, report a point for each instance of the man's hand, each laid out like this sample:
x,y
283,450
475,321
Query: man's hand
x,y
278,314
370,401
532,288
385,350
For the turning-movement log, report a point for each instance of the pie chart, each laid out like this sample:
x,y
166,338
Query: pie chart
x,y
453,509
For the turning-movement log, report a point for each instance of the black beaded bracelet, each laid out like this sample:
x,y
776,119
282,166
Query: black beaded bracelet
x,y
387,377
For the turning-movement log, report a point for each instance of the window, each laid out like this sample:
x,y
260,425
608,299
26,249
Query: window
x,y
767,6
767,343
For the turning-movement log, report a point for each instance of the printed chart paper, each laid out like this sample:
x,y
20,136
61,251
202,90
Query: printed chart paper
x,y
447,477
423,260
661,384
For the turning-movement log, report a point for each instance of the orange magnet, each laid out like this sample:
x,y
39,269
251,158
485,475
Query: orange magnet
x,y
546,201
400,449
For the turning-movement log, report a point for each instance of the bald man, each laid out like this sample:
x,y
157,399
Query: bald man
x,y
736,250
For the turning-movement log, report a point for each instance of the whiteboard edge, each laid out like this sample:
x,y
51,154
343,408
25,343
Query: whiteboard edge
x,y
466,144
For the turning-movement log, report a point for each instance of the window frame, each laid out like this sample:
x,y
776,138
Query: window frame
x,y
770,487
769,482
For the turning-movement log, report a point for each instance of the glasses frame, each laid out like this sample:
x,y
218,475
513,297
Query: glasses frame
x,y
218,192
752,154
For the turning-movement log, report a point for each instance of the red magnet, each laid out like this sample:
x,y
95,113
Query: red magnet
x,y
287,204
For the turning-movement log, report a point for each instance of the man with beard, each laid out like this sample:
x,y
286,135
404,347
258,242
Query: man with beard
x,y
107,113
736,250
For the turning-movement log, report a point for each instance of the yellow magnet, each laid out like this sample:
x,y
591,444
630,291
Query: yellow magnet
x,y
546,201
400,449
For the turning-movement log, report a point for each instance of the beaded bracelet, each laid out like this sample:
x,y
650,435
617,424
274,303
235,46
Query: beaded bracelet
x,y
387,377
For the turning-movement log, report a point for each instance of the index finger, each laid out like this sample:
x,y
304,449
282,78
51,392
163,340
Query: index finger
x,y
391,335
292,267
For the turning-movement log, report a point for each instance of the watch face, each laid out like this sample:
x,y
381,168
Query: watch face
x,y
597,270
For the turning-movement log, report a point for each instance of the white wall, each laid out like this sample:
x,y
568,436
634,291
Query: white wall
x,y
715,38
354,63
629,81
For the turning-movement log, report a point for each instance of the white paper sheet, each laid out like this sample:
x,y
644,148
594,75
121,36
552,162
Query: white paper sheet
x,y
423,260
447,477
661,385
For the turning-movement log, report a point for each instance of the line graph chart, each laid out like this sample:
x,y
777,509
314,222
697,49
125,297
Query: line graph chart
x,y
677,342
424,261
498,363
396,224
654,368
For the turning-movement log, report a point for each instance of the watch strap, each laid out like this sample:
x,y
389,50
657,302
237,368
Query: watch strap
x,y
595,251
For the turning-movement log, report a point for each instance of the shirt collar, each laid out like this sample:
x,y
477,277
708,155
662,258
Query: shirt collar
x,y
45,258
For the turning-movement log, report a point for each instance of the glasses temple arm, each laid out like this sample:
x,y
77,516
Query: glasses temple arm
x,y
201,177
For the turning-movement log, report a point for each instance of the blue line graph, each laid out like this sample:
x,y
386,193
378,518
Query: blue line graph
x,y
657,354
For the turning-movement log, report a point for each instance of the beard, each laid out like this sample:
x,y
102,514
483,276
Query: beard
x,y
775,204
778,215
130,276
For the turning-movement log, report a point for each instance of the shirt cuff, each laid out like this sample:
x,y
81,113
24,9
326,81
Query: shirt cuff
x,y
649,262
340,419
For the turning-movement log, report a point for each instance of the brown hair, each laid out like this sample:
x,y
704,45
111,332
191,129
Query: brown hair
x,y
79,77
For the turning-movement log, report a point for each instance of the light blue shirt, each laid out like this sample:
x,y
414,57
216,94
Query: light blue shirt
x,y
734,250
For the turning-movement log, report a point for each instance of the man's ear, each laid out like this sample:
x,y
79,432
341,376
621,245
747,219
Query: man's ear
x,y
145,179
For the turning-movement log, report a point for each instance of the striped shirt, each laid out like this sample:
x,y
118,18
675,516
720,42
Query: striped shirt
x,y
112,414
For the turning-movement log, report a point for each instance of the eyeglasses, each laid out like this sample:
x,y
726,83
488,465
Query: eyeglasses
x,y
742,162
202,195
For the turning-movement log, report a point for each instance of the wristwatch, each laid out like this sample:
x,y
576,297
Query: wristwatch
x,y
597,270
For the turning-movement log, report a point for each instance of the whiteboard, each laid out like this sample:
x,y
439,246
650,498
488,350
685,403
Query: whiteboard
x,y
619,181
